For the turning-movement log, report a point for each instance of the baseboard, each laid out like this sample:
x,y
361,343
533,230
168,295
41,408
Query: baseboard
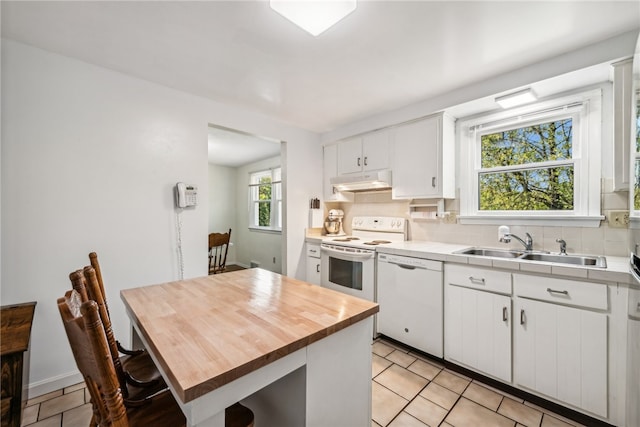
x,y
52,384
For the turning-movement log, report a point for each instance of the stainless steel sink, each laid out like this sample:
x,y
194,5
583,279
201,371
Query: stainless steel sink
x,y
586,260
497,253
593,261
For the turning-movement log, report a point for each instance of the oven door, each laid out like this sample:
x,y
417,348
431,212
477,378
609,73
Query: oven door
x,y
348,272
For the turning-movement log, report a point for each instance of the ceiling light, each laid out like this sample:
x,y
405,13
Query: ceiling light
x,y
516,98
314,16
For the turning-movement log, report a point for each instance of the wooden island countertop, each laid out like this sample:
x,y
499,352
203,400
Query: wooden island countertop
x,y
209,331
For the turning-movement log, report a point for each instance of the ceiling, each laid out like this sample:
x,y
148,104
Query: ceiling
x,y
383,56
234,149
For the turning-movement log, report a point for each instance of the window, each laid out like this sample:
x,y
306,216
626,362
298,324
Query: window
x,y
265,200
538,165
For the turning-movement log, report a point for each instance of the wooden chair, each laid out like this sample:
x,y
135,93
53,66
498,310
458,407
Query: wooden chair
x,y
88,341
93,259
140,371
90,347
218,248
128,368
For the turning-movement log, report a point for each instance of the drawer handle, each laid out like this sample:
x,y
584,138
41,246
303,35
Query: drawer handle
x,y
317,268
476,280
504,314
638,306
359,162
522,318
553,291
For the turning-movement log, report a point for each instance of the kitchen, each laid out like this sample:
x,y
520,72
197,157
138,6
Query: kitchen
x,y
126,112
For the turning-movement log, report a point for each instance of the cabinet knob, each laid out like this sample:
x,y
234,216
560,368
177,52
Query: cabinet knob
x,y
433,182
365,160
358,161
317,268
522,318
505,314
406,330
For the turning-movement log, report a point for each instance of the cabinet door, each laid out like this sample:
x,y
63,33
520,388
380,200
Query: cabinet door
x,y
313,270
330,169
350,156
478,330
562,352
376,150
417,159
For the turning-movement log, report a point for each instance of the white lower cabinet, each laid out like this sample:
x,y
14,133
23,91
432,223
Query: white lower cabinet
x,y
477,321
561,351
313,263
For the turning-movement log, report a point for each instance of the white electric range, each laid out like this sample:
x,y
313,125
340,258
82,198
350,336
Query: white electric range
x,y
348,262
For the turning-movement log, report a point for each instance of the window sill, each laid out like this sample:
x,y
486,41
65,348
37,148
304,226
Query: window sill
x,y
266,230
549,221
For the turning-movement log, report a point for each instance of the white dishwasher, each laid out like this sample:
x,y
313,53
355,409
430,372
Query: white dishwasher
x,y
410,295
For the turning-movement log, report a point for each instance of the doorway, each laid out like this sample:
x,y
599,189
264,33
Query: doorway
x,y
233,157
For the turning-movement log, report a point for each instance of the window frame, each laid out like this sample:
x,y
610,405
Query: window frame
x,y
585,109
275,212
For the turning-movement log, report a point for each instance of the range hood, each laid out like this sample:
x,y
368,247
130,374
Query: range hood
x,y
367,181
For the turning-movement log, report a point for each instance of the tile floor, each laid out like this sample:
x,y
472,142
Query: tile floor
x,y
408,391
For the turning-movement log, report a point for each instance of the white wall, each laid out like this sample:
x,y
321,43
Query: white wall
x,y
89,159
254,245
222,204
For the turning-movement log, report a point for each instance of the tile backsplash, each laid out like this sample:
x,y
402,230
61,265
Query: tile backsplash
x,y
603,240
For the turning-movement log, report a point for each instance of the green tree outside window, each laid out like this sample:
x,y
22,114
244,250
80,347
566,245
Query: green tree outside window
x,y
527,168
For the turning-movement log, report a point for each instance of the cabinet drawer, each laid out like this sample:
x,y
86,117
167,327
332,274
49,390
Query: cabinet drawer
x,y
478,278
313,250
634,303
561,291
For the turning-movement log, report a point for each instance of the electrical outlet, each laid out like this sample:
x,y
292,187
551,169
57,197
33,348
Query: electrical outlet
x,y
449,218
618,219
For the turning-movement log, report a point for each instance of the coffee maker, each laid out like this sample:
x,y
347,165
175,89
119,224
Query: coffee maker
x,y
333,223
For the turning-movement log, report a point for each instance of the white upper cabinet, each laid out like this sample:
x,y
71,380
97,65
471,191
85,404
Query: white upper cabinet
x,y
423,158
330,169
364,153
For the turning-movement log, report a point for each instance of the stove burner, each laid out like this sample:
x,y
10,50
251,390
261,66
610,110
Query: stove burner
x,y
381,241
346,239
371,243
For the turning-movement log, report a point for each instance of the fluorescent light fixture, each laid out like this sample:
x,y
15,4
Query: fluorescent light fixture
x,y
313,16
516,98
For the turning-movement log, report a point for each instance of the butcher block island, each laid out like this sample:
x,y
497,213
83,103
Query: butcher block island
x,y
295,353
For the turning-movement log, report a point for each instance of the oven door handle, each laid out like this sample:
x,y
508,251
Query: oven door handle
x,y
349,255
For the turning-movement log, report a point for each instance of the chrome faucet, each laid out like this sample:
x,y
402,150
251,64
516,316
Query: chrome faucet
x,y
563,246
528,243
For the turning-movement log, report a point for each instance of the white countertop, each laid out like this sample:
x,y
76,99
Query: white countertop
x,y
617,267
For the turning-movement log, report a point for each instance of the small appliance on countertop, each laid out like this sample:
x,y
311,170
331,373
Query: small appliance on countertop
x,y
333,224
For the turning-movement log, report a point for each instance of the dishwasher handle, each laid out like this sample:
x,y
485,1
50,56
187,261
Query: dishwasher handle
x,y
405,266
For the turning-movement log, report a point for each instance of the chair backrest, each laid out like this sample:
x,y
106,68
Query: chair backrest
x,y
91,352
85,283
93,259
218,248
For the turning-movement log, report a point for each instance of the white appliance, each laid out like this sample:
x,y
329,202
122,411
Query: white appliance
x,y
371,180
348,263
410,294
